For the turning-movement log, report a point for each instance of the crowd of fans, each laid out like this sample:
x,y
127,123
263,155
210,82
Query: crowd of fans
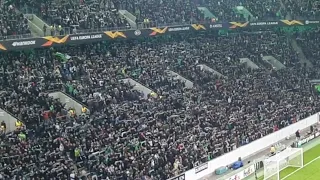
x,y
308,43
303,9
127,136
11,22
74,16
92,14
97,14
165,11
230,10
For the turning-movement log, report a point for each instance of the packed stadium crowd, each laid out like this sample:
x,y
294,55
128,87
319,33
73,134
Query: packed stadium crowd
x,y
123,135
96,14
12,22
128,136
307,40
302,9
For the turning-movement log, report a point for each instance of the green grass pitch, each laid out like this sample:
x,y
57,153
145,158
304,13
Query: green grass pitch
x,y
311,169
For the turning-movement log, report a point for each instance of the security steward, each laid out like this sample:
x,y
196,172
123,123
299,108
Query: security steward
x,y
72,113
19,125
84,110
3,126
272,150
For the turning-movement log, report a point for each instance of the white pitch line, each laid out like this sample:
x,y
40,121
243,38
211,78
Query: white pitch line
x,y
301,168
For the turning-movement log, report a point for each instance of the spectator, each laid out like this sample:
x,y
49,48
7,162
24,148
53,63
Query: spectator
x,y
298,135
44,29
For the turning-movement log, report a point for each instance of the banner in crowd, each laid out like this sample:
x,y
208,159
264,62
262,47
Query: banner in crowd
x,y
50,41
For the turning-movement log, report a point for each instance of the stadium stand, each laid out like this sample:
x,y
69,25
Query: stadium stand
x,y
11,22
223,104
76,16
69,17
164,12
307,40
303,9
156,107
242,11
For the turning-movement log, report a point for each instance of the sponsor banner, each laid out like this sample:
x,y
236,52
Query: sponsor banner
x,y
174,29
24,43
200,168
179,177
307,22
86,37
217,26
50,41
243,174
307,139
266,23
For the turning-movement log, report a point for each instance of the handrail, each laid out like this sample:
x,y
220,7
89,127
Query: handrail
x,y
84,105
61,91
137,81
12,115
